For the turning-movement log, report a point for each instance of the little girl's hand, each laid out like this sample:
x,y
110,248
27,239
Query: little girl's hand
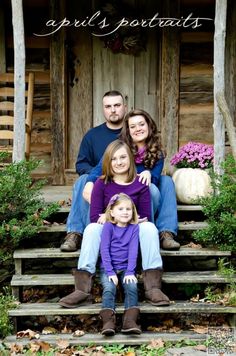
x,y
113,279
145,177
131,278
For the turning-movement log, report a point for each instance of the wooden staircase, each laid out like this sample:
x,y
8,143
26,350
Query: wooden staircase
x,y
46,255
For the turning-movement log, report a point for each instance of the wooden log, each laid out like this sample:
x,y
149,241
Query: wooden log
x,y
19,78
228,121
170,84
219,83
58,95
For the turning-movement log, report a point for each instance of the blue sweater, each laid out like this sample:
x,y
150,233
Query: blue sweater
x,y
119,248
155,171
93,146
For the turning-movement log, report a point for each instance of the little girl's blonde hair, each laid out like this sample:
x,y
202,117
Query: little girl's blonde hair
x,y
115,200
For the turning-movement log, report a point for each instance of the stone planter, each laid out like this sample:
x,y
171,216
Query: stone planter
x,y
191,184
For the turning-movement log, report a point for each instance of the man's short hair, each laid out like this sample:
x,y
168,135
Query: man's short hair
x,y
113,93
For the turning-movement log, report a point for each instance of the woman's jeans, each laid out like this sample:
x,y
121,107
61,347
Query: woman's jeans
x,y
164,206
149,246
109,291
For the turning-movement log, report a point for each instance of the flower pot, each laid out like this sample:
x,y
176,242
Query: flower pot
x,y
191,184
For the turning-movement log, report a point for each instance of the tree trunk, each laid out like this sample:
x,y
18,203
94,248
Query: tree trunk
x,y
19,78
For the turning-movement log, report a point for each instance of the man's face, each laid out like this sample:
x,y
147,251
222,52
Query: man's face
x,y
114,111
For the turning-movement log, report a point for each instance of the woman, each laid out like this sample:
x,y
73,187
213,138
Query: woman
x,y
118,175
140,133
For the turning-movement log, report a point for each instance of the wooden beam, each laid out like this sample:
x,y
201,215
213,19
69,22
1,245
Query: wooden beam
x,y
170,84
19,78
2,43
219,83
58,95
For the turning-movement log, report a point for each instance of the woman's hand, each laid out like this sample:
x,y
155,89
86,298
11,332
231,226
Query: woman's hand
x,y
87,192
145,177
131,278
113,279
102,219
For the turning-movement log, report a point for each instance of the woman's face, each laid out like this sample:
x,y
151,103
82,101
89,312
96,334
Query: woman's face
x,y
120,162
138,129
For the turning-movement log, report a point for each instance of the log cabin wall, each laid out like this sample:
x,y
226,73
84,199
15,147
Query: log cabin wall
x,y
196,75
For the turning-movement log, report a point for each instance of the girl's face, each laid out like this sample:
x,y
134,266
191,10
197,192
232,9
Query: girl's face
x,y
122,212
120,162
138,130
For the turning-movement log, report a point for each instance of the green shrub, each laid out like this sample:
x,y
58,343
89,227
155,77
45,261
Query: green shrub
x,y
220,210
7,302
22,208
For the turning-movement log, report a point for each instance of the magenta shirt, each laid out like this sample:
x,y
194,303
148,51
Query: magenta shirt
x,y
102,194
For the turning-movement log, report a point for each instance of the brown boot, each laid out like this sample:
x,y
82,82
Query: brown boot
x,y
129,321
168,242
109,320
83,285
72,242
152,286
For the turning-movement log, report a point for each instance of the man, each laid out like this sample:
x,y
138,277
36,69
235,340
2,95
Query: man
x,y
91,150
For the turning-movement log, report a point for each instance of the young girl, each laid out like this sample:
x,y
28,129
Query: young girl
x,y
118,175
119,250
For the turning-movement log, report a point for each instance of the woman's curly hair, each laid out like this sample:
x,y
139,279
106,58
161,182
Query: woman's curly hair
x,y
153,143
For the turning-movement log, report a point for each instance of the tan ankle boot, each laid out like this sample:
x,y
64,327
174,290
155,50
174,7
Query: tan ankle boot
x,y
167,241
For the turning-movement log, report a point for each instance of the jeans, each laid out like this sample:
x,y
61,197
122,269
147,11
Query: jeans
x,y
149,246
164,206
109,291
78,217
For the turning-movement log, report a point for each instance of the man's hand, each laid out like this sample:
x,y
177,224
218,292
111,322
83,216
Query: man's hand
x,y
145,177
113,279
87,192
131,278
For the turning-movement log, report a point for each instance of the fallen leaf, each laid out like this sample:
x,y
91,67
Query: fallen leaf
x,y
195,299
34,347
200,348
49,330
156,344
130,353
199,329
78,333
63,344
27,333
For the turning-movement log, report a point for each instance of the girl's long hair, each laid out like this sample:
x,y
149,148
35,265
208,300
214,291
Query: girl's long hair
x,y
154,151
107,171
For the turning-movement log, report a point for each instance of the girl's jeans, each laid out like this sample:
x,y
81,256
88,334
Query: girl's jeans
x,y
109,291
149,246
164,206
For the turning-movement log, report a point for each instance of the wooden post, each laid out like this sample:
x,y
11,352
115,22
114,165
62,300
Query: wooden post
x,y
228,121
58,95
170,84
2,43
19,79
219,82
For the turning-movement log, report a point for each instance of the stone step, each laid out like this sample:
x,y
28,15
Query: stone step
x,y
168,277
184,226
37,309
32,253
118,339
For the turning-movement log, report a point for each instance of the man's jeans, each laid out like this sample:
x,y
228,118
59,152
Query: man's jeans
x,y
149,246
164,206
109,291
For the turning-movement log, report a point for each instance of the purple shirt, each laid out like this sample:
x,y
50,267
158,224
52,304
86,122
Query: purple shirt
x,y
102,193
119,248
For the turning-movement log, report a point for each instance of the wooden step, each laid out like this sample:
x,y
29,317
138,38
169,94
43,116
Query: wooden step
x,y
32,253
67,279
33,309
184,226
98,339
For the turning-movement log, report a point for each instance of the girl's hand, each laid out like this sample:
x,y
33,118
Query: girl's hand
x,y
131,278
102,219
87,192
142,220
113,279
145,177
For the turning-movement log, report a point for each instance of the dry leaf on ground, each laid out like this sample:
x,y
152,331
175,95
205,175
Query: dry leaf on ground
x,y
49,330
200,329
156,344
28,333
78,333
63,344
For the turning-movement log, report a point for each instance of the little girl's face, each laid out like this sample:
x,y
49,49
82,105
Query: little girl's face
x,y
122,213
